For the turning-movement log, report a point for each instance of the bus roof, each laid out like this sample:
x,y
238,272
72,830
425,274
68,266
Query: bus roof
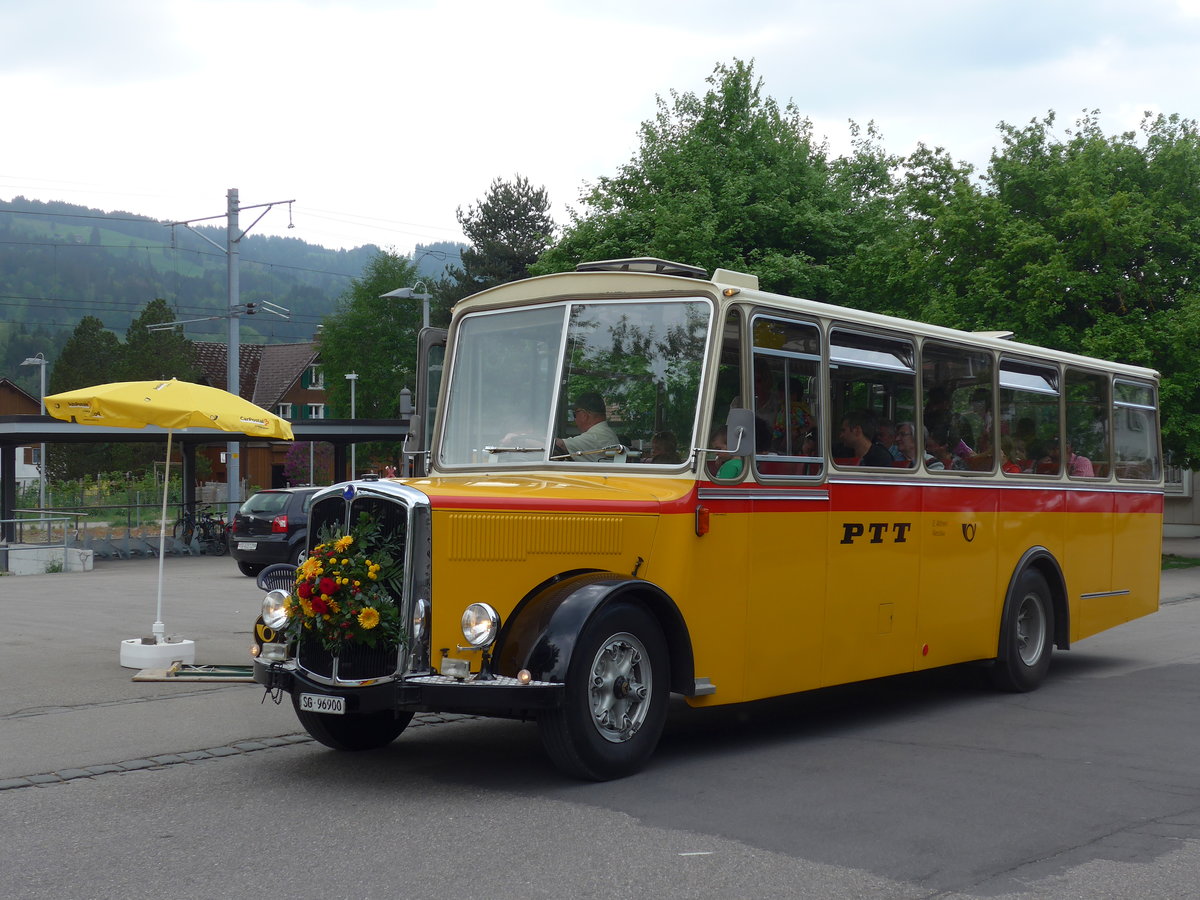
x,y
611,280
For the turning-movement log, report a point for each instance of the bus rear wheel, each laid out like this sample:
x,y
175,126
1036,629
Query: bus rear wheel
x,y
1026,635
352,732
615,705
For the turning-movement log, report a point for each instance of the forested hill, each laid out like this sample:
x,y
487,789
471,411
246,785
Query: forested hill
x,y
60,262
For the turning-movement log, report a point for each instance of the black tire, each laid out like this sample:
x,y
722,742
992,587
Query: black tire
x,y
352,732
297,554
1026,635
219,545
615,704
250,570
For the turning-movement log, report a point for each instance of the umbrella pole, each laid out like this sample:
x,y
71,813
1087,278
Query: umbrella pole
x,y
159,630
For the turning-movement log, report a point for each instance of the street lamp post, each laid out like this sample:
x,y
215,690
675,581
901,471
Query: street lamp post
x,y
41,362
411,293
352,377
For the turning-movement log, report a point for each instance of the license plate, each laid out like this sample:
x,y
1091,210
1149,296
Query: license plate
x,y
319,703
247,545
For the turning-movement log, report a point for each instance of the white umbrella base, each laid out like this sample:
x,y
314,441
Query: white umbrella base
x,y
138,655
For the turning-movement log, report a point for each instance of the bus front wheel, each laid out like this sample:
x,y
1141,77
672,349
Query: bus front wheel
x,y
615,704
352,732
1026,635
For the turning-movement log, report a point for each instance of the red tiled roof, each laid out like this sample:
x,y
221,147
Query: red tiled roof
x,y
267,370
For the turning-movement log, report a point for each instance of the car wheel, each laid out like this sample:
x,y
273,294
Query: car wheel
x,y
352,732
1026,635
250,569
297,554
615,703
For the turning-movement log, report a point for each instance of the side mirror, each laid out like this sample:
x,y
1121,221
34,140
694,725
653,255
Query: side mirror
x,y
411,456
740,432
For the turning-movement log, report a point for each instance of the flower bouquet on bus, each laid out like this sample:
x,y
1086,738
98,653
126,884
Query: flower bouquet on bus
x,y
347,590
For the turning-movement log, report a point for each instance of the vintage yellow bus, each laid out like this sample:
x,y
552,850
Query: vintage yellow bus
x,y
642,480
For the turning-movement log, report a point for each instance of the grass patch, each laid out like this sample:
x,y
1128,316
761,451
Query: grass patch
x,y
1171,561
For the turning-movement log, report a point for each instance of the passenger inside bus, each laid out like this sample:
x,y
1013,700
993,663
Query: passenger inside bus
x,y
858,432
906,443
726,464
595,434
938,443
1079,466
886,435
664,449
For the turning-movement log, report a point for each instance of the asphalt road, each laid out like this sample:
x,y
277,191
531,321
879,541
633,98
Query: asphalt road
x,y
923,786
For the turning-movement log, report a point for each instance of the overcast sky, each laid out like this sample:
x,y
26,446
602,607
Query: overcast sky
x,y
381,117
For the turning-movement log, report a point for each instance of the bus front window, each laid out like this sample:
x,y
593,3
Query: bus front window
x,y
518,377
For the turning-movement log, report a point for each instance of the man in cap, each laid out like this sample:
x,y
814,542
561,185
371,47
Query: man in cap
x,y
591,417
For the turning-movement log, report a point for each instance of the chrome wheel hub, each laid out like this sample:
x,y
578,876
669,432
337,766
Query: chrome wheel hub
x,y
619,691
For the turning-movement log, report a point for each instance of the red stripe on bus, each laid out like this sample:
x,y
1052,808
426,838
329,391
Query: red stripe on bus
x,y
837,497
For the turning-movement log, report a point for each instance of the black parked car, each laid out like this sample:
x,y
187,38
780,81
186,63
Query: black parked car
x,y
271,527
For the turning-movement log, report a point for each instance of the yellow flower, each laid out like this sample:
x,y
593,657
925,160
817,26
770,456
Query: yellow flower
x,y
343,542
368,618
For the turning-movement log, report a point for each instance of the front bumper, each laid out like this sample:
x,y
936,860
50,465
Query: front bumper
x,y
498,696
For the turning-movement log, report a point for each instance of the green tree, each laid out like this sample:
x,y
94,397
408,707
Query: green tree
x,y
732,179
1079,241
92,355
508,230
151,355
373,337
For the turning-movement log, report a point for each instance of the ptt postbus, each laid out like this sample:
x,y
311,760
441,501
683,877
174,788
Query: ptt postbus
x,y
642,480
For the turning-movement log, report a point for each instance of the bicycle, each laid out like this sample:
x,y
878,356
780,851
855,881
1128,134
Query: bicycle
x,y
208,530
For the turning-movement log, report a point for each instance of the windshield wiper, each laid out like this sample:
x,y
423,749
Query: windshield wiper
x,y
514,449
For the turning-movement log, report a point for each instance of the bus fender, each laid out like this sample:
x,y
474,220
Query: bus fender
x,y
540,636
1043,561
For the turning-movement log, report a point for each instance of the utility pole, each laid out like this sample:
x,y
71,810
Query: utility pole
x,y
233,479
232,248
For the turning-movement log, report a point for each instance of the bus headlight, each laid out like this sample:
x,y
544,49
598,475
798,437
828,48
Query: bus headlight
x,y
479,624
274,609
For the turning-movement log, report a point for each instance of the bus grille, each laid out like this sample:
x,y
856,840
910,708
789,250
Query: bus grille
x,y
355,661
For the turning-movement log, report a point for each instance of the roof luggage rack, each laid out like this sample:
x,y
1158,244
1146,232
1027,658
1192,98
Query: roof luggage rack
x,y
644,264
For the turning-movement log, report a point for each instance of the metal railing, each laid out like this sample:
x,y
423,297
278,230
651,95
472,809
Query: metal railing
x,y
45,522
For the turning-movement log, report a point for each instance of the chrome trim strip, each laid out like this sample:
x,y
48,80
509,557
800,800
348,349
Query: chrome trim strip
x,y
970,481
1123,593
762,494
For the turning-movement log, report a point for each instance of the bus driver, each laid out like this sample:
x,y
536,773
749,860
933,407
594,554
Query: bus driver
x,y
591,417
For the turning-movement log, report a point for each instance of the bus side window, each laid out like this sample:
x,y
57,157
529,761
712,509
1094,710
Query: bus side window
x,y
786,367
1087,440
1135,432
959,410
728,395
1028,416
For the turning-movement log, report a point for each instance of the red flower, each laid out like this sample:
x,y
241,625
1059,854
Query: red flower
x,y
319,606
327,585
305,590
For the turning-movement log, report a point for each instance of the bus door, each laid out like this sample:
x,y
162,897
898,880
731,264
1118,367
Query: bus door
x,y
962,585
789,508
873,540
431,358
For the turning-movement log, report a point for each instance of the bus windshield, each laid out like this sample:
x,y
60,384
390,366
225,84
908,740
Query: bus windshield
x,y
581,382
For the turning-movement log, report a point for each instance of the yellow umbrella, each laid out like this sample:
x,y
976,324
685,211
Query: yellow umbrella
x,y
169,404
172,405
